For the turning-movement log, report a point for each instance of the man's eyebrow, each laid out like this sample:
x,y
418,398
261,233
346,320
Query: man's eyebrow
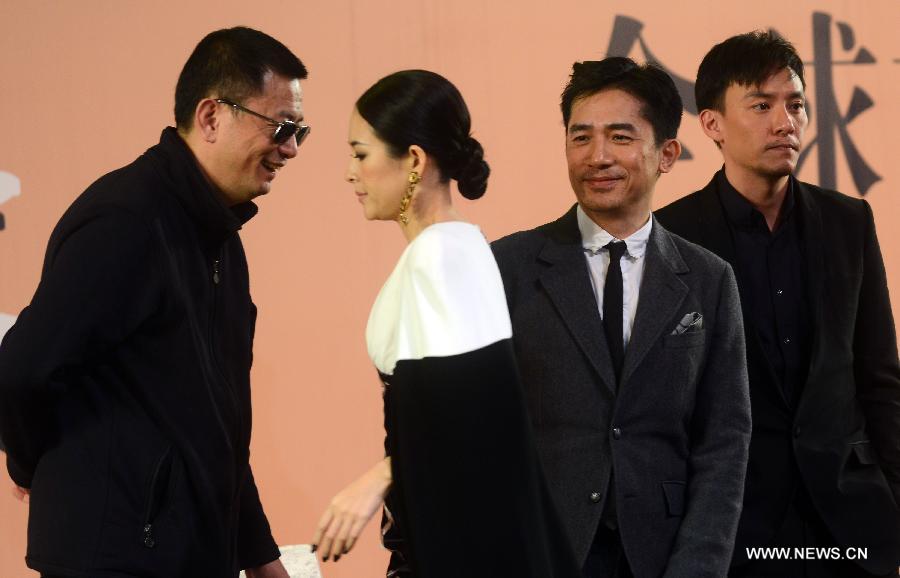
x,y
289,115
768,95
354,143
621,126
758,94
578,127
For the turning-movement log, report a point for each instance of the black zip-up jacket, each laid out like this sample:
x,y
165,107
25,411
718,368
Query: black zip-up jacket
x,y
125,384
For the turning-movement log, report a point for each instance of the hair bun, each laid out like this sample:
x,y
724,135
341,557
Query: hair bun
x,y
473,171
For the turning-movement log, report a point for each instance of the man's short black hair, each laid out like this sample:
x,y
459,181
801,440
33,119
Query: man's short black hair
x,y
746,60
231,63
662,106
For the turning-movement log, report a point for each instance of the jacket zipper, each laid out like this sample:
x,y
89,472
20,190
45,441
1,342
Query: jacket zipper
x,y
152,506
232,393
217,278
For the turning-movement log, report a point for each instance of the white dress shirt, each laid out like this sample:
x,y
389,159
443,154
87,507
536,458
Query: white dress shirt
x,y
594,239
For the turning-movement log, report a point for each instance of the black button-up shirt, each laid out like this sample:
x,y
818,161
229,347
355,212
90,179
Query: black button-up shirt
x,y
771,275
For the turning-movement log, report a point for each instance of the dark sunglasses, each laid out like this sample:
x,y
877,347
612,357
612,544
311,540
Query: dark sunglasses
x,y
283,130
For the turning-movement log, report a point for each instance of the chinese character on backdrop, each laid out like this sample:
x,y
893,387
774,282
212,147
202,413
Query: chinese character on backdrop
x,y
828,117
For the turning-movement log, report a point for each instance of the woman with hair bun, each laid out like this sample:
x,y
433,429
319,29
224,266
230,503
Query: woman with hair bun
x,y
463,493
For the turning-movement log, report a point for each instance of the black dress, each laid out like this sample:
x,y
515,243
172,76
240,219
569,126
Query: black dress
x,y
468,498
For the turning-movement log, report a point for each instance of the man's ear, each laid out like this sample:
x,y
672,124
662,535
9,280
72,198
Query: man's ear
x,y
668,155
206,119
711,123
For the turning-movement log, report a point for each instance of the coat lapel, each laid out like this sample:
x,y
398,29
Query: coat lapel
x,y
714,232
813,235
568,285
661,295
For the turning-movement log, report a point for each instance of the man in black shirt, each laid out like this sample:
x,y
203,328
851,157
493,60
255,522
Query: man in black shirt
x,y
773,285
824,467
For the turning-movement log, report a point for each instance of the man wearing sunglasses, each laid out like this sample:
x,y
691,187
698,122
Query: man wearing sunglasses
x,y
125,384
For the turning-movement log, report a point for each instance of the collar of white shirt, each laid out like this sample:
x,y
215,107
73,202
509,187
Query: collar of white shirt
x,y
594,238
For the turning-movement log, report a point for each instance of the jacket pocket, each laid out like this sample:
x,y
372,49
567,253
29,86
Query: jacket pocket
x,y
157,492
687,339
674,494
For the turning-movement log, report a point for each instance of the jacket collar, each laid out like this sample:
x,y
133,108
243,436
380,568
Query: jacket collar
x,y
215,221
567,283
716,236
661,296
566,280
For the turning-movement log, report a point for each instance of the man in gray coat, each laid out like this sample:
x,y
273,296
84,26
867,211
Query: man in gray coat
x,y
631,345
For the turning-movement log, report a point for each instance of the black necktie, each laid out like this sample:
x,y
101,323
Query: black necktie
x,y
612,305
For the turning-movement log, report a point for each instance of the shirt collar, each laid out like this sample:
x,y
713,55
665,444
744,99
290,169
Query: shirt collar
x,y
741,212
594,237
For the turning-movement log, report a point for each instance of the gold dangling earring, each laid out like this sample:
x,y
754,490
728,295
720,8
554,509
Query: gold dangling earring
x,y
414,179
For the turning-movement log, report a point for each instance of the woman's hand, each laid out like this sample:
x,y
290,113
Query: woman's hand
x,y
350,510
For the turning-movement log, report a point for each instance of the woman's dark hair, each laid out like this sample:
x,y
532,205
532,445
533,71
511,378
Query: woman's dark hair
x,y
418,107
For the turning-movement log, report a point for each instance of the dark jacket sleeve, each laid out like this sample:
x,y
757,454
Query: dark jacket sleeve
x,y
97,286
875,359
720,442
255,543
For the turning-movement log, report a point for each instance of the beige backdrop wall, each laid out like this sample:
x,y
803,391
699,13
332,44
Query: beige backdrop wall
x,y
86,86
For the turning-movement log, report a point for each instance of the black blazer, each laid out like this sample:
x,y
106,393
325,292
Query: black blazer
x,y
842,441
678,430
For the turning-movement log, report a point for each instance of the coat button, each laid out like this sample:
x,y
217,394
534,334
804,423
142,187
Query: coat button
x,y
595,497
797,431
617,433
